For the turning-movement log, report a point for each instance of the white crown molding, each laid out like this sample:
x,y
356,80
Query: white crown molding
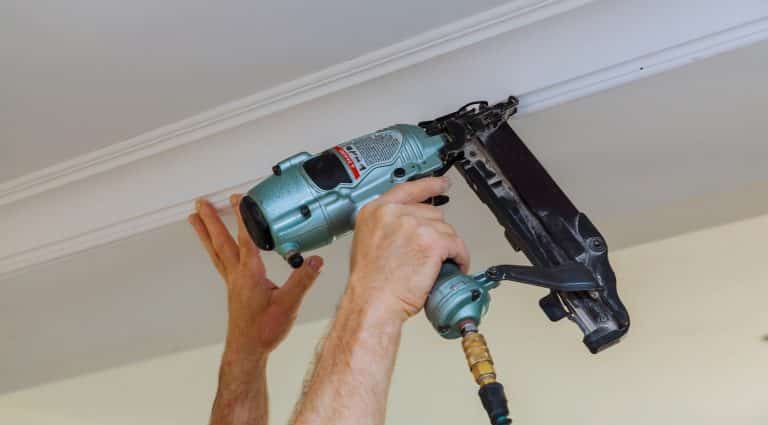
x,y
418,49
619,71
59,248
645,66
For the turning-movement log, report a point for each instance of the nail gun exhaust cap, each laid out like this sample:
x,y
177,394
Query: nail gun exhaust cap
x,y
256,224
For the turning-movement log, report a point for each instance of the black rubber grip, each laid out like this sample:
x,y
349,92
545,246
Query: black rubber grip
x,y
495,403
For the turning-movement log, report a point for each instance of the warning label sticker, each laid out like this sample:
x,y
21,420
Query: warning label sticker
x,y
350,163
365,152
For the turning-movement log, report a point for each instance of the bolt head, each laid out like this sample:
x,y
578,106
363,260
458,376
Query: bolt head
x,y
295,260
596,245
476,294
305,211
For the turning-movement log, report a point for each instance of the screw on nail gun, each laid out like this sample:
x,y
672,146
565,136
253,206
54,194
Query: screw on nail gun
x,y
311,199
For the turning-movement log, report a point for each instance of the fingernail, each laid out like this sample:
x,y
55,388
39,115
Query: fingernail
x,y
315,263
448,182
198,204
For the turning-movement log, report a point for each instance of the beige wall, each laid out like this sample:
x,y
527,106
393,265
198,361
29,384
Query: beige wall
x,y
694,354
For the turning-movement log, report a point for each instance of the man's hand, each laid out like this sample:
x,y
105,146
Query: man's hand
x,y
260,313
399,246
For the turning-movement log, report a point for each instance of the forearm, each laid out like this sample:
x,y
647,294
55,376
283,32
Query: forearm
x,y
241,398
350,382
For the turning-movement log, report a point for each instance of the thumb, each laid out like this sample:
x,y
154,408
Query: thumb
x,y
298,283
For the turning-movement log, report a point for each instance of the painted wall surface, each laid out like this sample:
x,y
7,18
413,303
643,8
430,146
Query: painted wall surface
x,y
695,354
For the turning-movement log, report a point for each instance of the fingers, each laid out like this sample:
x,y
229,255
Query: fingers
x,y
417,190
400,207
452,247
424,211
222,241
293,290
442,240
457,250
205,239
440,235
444,228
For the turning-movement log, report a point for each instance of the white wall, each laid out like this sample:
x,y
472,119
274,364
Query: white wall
x,y
694,354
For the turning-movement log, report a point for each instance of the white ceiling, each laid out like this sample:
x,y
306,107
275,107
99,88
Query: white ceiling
x,y
84,74
676,152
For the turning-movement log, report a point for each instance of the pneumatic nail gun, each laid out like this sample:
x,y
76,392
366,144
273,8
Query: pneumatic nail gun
x,y
311,199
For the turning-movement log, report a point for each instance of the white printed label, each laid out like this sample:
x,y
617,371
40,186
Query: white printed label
x,y
362,153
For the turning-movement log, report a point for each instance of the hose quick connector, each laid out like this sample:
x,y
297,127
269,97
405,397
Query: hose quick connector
x,y
481,365
478,358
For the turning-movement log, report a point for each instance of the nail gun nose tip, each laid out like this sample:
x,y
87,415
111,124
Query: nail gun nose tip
x,y
256,224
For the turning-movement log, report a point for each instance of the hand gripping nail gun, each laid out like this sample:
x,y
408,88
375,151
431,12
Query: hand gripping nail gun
x,y
311,199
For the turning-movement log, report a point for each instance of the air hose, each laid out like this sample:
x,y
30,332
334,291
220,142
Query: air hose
x,y
480,363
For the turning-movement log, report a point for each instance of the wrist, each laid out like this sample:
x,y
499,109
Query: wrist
x,y
375,306
245,339
243,360
242,381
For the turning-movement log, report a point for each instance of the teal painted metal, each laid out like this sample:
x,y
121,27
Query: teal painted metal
x,y
371,173
457,297
304,210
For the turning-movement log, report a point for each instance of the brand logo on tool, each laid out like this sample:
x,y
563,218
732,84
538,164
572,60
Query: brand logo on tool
x,y
356,157
352,158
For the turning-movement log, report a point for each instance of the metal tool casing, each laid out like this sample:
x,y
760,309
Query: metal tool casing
x,y
311,199
455,298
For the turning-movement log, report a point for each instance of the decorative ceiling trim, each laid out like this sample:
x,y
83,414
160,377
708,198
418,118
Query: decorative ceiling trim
x,y
567,90
645,66
425,46
126,228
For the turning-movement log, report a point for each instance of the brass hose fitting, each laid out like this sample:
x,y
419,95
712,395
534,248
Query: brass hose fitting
x,y
481,365
478,357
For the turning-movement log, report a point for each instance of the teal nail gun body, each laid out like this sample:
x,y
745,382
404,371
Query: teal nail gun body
x,y
311,199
